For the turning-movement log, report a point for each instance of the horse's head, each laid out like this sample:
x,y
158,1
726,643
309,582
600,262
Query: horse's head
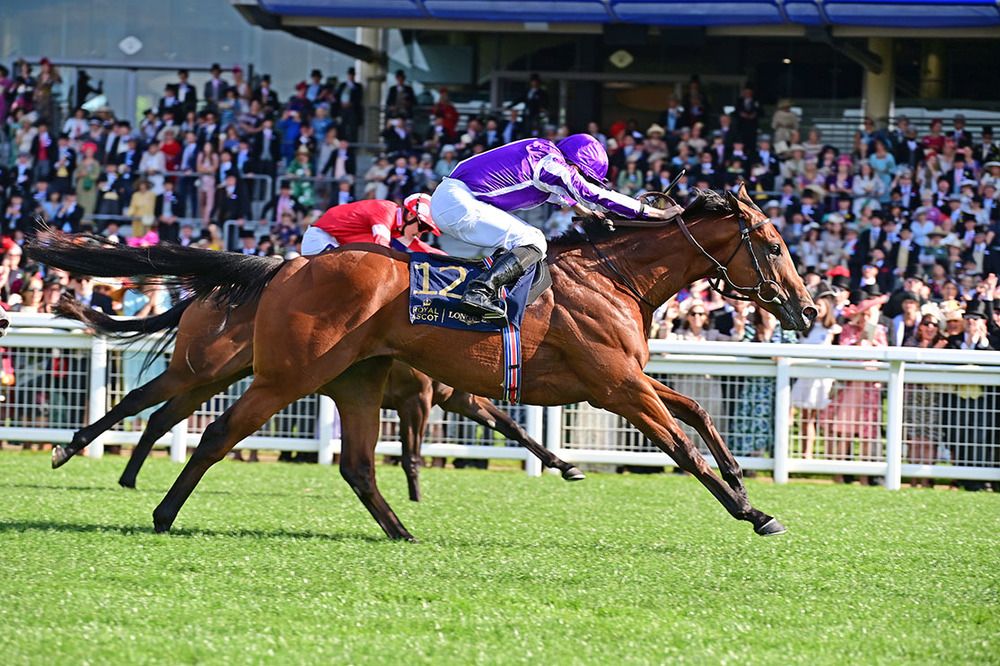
x,y
760,267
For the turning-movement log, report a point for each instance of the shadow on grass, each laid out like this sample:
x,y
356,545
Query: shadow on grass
x,y
130,530
158,491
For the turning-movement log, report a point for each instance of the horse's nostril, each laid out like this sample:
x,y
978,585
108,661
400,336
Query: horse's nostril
x,y
810,312
4,323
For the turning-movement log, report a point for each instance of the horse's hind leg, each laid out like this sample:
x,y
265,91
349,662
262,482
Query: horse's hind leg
x,y
159,389
485,413
690,412
358,394
261,401
413,415
162,420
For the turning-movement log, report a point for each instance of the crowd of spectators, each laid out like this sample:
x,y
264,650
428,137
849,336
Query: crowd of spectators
x,y
897,213
902,227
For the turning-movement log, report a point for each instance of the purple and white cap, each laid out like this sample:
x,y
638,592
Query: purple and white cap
x,y
587,153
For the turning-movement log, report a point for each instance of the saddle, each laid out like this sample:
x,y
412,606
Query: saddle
x,y
437,282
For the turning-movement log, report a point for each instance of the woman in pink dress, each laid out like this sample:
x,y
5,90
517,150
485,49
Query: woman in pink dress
x,y
856,410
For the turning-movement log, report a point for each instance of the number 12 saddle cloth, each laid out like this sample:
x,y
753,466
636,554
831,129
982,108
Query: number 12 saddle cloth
x,y
437,283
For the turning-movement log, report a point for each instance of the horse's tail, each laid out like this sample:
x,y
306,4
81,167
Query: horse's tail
x,y
230,279
121,328
131,329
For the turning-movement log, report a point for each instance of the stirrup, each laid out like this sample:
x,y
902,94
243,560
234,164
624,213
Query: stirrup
x,y
483,310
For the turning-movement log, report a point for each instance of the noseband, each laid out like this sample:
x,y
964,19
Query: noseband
x,y
765,291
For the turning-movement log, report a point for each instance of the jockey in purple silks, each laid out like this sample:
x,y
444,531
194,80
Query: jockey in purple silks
x,y
472,204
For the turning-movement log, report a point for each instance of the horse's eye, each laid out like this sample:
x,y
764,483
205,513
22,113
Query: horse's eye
x,y
775,250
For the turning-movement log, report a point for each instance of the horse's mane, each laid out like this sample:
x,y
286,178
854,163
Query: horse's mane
x,y
708,201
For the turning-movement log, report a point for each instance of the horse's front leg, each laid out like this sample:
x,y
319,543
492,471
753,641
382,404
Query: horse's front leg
x,y
691,413
638,402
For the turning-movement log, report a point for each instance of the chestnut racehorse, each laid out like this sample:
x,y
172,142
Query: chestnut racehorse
x,y
213,349
339,319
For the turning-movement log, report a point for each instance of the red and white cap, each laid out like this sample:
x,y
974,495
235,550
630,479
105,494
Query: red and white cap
x,y
420,206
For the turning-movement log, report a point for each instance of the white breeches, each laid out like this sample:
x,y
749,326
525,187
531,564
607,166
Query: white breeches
x,y
316,240
459,213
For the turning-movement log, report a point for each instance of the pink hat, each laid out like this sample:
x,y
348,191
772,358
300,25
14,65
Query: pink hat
x,y
151,238
865,305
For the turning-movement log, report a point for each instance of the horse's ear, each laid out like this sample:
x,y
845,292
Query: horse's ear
x,y
742,193
744,196
734,202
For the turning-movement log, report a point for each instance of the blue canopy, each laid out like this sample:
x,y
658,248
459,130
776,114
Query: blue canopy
x,y
872,13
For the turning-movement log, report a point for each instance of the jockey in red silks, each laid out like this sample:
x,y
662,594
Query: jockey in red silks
x,y
373,221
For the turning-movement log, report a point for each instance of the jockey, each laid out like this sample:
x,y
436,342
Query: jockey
x,y
373,221
472,204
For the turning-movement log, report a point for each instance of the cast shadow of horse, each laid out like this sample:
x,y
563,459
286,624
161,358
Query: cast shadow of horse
x,y
16,526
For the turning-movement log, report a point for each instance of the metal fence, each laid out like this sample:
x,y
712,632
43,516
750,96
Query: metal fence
x,y
890,412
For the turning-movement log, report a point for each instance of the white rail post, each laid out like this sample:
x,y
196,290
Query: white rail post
x,y
97,390
782,419
324,430
532,465
894,429
178,441
553,431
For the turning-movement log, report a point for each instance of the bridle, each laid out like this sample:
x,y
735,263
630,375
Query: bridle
x,y
765,291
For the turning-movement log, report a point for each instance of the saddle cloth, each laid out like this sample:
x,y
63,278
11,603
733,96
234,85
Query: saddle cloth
x,y
437,283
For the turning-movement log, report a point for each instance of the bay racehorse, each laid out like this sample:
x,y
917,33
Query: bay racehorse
x,y
339,319
214,348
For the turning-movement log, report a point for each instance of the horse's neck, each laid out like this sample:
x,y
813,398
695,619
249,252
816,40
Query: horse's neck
x,y
657,262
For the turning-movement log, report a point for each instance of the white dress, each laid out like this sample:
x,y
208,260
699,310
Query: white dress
x,y
813,393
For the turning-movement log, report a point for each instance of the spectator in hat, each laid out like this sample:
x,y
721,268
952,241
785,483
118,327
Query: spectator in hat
x,y
282,203
961,136
142,208
7,87
299,103
857,406
168,210
303,187
314,89
341,163
921,402
536,103
747,116
904,254
69,216
242,88
230,202
248,242
396,137
904,325
986,151
43,99
935,139
349,96
401,99
186,94
265,95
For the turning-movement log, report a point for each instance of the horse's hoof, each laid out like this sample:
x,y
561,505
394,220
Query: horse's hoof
x,y
770,528
573,474
126,483
162,524
60,456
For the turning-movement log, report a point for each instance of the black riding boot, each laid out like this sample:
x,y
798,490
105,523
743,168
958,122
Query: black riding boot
x,y
482,296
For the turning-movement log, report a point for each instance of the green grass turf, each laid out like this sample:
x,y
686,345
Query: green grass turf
x,y
275,562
